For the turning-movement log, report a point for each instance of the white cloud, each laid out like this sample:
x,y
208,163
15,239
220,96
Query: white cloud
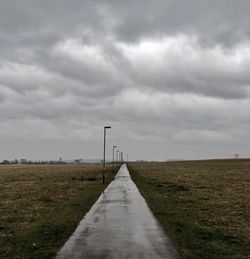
x,y
76,50
180,64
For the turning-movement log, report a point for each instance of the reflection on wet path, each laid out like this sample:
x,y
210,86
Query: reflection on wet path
x,y
119,225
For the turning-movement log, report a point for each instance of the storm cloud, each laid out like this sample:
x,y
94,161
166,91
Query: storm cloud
x,y
171,77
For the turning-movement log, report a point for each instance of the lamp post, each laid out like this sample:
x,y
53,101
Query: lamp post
x,y
117,152
104,150
114,158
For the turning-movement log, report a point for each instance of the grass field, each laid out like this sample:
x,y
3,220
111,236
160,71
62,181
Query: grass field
x,y
203,205
40,206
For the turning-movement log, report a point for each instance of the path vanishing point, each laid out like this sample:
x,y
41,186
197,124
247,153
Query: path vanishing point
x,y
119,225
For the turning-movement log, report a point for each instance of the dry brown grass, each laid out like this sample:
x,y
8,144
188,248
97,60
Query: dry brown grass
x,y
40,205
203,204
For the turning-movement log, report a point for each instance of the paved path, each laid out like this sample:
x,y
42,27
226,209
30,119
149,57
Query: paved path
x,y
119,225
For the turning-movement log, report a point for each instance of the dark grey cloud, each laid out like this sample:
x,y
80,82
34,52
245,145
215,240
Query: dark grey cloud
x,y
171,77
217,21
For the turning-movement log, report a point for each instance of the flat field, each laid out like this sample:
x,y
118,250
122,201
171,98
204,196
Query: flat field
x,y
203,205
40,206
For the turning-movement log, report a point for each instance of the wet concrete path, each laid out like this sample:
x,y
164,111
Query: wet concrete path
x,y
119,225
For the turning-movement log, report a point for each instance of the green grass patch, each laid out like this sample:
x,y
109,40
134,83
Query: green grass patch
x,y
41,205
203,205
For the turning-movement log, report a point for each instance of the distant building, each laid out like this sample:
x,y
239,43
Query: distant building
x,y
236,156
77,161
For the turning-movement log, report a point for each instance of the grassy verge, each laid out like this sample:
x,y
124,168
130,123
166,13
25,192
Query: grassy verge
x,y
203,205
40,206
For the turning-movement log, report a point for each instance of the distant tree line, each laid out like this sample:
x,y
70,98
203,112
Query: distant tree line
x,y
25,161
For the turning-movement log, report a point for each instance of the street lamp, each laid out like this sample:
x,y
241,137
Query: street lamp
x,y
117,152
114,158
104,147
120,155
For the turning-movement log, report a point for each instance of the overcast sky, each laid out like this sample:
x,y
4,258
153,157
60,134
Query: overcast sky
x,y
172,78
